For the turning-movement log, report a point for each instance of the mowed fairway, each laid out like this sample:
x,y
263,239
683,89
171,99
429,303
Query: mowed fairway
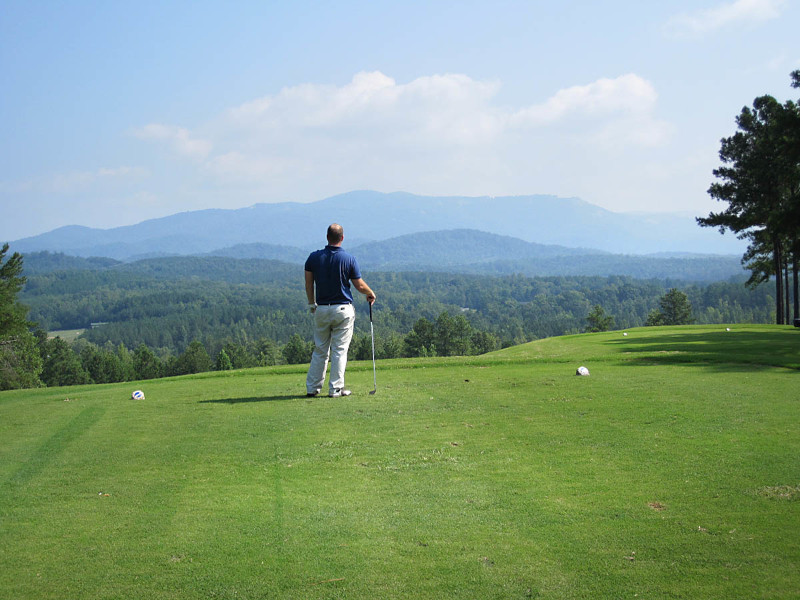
x,y
672,471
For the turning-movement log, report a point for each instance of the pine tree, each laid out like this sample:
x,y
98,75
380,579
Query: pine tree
x,y
420,341
194,360
760,182
597,320
297,351
224,361
267,353
20,361
674,309
146,364
61,365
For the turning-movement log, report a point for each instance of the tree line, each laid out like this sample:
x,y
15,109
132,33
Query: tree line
x,y
83,362
167,315
161,323
760,182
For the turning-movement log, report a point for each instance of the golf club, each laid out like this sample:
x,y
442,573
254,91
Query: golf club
x,y
372,334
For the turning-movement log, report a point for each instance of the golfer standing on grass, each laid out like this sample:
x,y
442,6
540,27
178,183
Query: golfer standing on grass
x,y
332,270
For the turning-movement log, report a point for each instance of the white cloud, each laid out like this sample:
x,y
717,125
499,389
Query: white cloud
x,y
438,134
437,109
177,137
602,98
723,15
374,116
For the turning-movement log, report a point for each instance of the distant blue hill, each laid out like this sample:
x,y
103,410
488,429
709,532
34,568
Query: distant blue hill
x,y
47,262
456,251
374,216
477,252
265,251
455,247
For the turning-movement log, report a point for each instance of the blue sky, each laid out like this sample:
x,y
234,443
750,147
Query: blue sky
x,y
112,112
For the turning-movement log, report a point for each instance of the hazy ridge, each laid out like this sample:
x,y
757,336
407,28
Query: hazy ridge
x,y
373,217
457,251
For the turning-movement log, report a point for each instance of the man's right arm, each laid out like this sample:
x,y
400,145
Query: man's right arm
x,y
312,304
362,287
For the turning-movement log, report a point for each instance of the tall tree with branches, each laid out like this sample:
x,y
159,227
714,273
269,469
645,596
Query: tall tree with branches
x,y
20,361
760,180
793,208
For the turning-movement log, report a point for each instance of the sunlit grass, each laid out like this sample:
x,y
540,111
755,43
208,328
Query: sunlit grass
x,y
671,471
68,335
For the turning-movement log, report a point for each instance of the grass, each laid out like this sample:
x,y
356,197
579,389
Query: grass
x,y
68,335
671,472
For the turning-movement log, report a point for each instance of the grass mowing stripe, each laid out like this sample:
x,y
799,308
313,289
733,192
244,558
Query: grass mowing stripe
x,y
56,444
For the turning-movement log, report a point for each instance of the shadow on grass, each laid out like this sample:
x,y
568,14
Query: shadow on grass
x,y
259,399
725,350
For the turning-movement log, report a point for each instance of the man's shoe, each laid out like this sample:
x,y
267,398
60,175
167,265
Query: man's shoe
x,y
311,394
339,392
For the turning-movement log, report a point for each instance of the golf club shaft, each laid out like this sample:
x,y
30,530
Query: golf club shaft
x,y
372,335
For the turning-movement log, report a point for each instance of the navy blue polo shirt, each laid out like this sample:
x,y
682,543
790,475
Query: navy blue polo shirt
x,y
333,268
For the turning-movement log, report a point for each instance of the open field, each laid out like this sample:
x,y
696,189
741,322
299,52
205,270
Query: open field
x,y
673,471
68,335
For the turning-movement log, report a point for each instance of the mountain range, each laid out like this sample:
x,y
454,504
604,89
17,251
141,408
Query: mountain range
x,y
465,251
292,229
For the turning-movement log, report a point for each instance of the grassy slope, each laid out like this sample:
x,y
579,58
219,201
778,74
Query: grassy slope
x,y
670,472
68,335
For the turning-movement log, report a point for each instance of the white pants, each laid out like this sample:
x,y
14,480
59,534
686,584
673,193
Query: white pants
x,y
333,330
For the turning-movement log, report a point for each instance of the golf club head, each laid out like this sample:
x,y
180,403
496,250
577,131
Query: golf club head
x,y
372,393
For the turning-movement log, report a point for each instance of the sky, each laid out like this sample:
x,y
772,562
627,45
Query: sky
x,y
112,113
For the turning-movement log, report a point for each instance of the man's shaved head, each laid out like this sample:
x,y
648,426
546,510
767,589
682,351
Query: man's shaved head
x,y
335,234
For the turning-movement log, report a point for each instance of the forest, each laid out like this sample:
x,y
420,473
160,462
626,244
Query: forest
x,y
180,315
168,303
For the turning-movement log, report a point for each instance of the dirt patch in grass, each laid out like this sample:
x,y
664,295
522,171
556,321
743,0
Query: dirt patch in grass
x,y
780,492
656,506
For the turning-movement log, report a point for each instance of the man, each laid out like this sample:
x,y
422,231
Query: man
x,y
332,270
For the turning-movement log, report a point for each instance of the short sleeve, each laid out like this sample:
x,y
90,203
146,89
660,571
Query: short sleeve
x,y
355,271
